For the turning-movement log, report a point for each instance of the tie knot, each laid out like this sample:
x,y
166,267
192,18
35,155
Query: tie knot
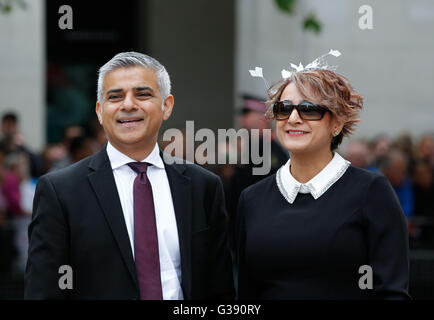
x,y
138,167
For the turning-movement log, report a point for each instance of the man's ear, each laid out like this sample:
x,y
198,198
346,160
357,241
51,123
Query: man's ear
x,y
168,107
98,110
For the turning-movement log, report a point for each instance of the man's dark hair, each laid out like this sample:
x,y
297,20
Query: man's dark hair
x,y
10,116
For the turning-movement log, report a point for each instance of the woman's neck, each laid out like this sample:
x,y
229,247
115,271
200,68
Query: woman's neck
x,y
305,166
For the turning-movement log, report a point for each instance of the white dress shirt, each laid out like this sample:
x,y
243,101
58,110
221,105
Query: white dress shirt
x,y
168,243
289,187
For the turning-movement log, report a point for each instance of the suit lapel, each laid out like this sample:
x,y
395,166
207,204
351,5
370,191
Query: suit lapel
x,y
102,181
180,187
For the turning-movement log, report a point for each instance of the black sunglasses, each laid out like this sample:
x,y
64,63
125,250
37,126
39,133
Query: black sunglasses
x,y
307,111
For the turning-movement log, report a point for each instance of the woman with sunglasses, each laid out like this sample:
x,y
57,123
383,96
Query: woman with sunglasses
x,y
319,228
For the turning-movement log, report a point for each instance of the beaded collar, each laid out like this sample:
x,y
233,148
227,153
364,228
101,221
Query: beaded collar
x,y
317,186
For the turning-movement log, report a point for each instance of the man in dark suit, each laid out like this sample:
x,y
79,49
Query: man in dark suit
x,y
123,222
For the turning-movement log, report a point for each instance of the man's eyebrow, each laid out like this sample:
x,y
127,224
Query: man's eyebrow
x,y
114,91
143,89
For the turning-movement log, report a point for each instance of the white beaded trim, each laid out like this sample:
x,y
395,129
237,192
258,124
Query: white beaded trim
x,y
282,189
336,177
291,197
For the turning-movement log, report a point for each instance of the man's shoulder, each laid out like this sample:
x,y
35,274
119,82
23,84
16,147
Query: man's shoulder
x,y
69,173
188,168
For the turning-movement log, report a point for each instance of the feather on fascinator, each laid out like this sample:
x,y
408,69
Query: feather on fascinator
x,y
318,64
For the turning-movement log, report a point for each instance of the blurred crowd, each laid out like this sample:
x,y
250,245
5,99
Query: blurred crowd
x,y
406,161
408,164
20,167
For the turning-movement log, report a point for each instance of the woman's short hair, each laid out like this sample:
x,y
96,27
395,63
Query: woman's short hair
x,y
327,88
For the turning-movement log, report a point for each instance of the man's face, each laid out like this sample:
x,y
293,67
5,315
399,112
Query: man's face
x,y
131,111
254,120
9,127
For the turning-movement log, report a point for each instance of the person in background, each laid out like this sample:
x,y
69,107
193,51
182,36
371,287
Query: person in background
x,y
80,148
423,189
251,117
379,148
19,165
13,140
50,155
404,143
395,167
425,149
357,152
11,186
8,251
70,133
98,135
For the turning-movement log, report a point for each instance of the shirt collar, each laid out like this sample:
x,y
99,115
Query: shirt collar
x,y
118,159
289,187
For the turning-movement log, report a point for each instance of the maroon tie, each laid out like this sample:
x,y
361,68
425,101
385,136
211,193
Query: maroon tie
x,y
145,236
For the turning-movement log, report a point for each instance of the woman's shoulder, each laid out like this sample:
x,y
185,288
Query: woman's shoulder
x,y
376,188
363,177
362,184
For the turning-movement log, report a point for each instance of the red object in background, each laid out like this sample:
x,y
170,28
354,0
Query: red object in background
x,y
11,192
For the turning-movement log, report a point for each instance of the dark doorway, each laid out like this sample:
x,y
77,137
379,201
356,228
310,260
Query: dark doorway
x,y
100,29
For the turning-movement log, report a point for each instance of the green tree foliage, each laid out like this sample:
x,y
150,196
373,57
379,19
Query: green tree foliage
x,y
6,6
310,21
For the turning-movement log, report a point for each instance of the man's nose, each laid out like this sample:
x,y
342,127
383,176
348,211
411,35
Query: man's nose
x,y
128,103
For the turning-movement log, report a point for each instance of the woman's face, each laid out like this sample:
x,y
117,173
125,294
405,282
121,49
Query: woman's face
x,y
303,136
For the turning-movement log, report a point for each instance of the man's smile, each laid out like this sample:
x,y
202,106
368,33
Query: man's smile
x,y
129,121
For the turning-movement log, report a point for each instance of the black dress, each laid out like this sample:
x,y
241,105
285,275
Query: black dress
x,y
313,249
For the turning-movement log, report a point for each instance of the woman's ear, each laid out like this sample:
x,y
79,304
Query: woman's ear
x,y
336,126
